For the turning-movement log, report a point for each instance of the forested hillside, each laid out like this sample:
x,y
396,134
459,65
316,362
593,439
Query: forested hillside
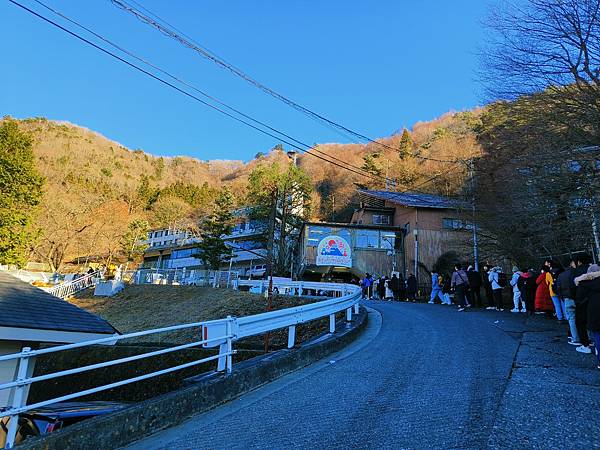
x,y
99,195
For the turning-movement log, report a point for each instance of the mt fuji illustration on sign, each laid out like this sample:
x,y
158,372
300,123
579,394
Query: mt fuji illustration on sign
x,y
334,251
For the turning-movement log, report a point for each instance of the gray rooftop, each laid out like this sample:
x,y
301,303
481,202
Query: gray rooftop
x,y
26,306
414,199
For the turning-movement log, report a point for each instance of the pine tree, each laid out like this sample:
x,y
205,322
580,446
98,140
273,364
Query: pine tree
x,y
20,193
406,144
212,249
130,243
279,196
371,165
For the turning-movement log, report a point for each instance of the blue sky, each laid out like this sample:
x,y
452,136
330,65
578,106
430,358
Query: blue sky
x,y
375,67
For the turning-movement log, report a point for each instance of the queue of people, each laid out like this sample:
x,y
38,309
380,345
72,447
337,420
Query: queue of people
x,y
572,296
391,288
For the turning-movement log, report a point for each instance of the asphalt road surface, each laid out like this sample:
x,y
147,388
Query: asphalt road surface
x,y
420,376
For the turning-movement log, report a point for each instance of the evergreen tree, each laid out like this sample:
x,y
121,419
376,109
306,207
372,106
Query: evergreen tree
x,y
130,243
212,249
146,194
280,197
193,195
371,165
406,144
20,192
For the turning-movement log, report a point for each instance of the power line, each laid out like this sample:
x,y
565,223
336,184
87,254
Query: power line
x,y
310,151
203,93
366,174
189,85
170,31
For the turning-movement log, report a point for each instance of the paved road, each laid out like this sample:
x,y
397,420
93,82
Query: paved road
x,y
421,376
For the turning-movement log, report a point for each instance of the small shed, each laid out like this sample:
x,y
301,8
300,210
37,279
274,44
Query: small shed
x,y
31,317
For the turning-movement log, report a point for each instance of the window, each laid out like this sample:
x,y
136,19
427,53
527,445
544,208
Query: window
x,y
367,239
381,219
388,240
316,233
183,253
456,224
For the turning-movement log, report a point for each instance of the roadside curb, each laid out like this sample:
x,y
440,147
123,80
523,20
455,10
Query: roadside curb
x,y
204,392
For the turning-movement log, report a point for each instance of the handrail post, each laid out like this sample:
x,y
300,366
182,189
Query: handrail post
x,y
18,398
349,314
332,323
229,328
291,336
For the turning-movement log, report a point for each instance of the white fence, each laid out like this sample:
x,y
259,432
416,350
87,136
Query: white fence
x,y
222,333
79,284
194,277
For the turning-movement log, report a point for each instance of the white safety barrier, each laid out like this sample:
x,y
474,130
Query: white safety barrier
x,y
64,290
222,333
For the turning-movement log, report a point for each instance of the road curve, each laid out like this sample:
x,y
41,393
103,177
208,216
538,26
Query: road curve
x,y
421,376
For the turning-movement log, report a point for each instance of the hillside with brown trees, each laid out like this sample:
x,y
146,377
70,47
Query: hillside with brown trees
x,y
98,194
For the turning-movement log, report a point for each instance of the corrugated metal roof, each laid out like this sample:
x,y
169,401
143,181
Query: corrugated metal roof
x,y
415,199
25,306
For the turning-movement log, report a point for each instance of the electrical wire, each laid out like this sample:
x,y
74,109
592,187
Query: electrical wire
x,y
182,91
310,151
169,30
189,85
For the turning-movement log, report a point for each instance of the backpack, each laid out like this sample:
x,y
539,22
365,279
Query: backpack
x,y
522,283
554,274
502,279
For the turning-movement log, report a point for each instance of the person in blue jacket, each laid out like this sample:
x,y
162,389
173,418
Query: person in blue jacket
x,y
436,288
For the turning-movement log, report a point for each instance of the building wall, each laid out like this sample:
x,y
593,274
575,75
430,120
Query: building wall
x,y
433,239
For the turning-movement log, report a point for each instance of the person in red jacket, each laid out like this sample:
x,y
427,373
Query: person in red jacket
x,y
543,301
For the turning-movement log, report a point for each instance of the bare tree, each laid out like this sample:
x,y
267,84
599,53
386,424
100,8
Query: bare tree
x,y
543,44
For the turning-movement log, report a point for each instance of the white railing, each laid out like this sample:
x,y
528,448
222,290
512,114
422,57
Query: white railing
x,y
72,287
183,276
222,333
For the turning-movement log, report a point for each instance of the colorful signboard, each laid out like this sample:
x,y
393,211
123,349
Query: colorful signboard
x,y
334,251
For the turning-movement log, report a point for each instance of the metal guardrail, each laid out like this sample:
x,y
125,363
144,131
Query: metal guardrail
x,y
79,284
222,333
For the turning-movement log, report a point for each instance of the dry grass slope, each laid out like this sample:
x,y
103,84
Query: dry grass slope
x,y
142,307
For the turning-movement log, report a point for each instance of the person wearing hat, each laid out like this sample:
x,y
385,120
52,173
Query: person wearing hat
x,y
514,281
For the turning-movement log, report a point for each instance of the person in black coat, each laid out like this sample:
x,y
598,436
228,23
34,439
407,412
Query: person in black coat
x,y
475,282
402,291
394,285
588,295
528,287
487,287
381,288
411,287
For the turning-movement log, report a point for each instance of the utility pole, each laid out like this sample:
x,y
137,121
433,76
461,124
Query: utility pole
x,y
416,235
474,224
270,246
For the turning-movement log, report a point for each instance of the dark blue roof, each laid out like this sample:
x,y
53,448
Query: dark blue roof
x,y
25,306
415,199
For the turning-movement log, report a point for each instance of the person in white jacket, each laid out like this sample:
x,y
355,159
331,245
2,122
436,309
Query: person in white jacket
x,y
514,282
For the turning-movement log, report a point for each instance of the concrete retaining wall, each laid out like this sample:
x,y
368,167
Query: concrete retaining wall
x,y
202,393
